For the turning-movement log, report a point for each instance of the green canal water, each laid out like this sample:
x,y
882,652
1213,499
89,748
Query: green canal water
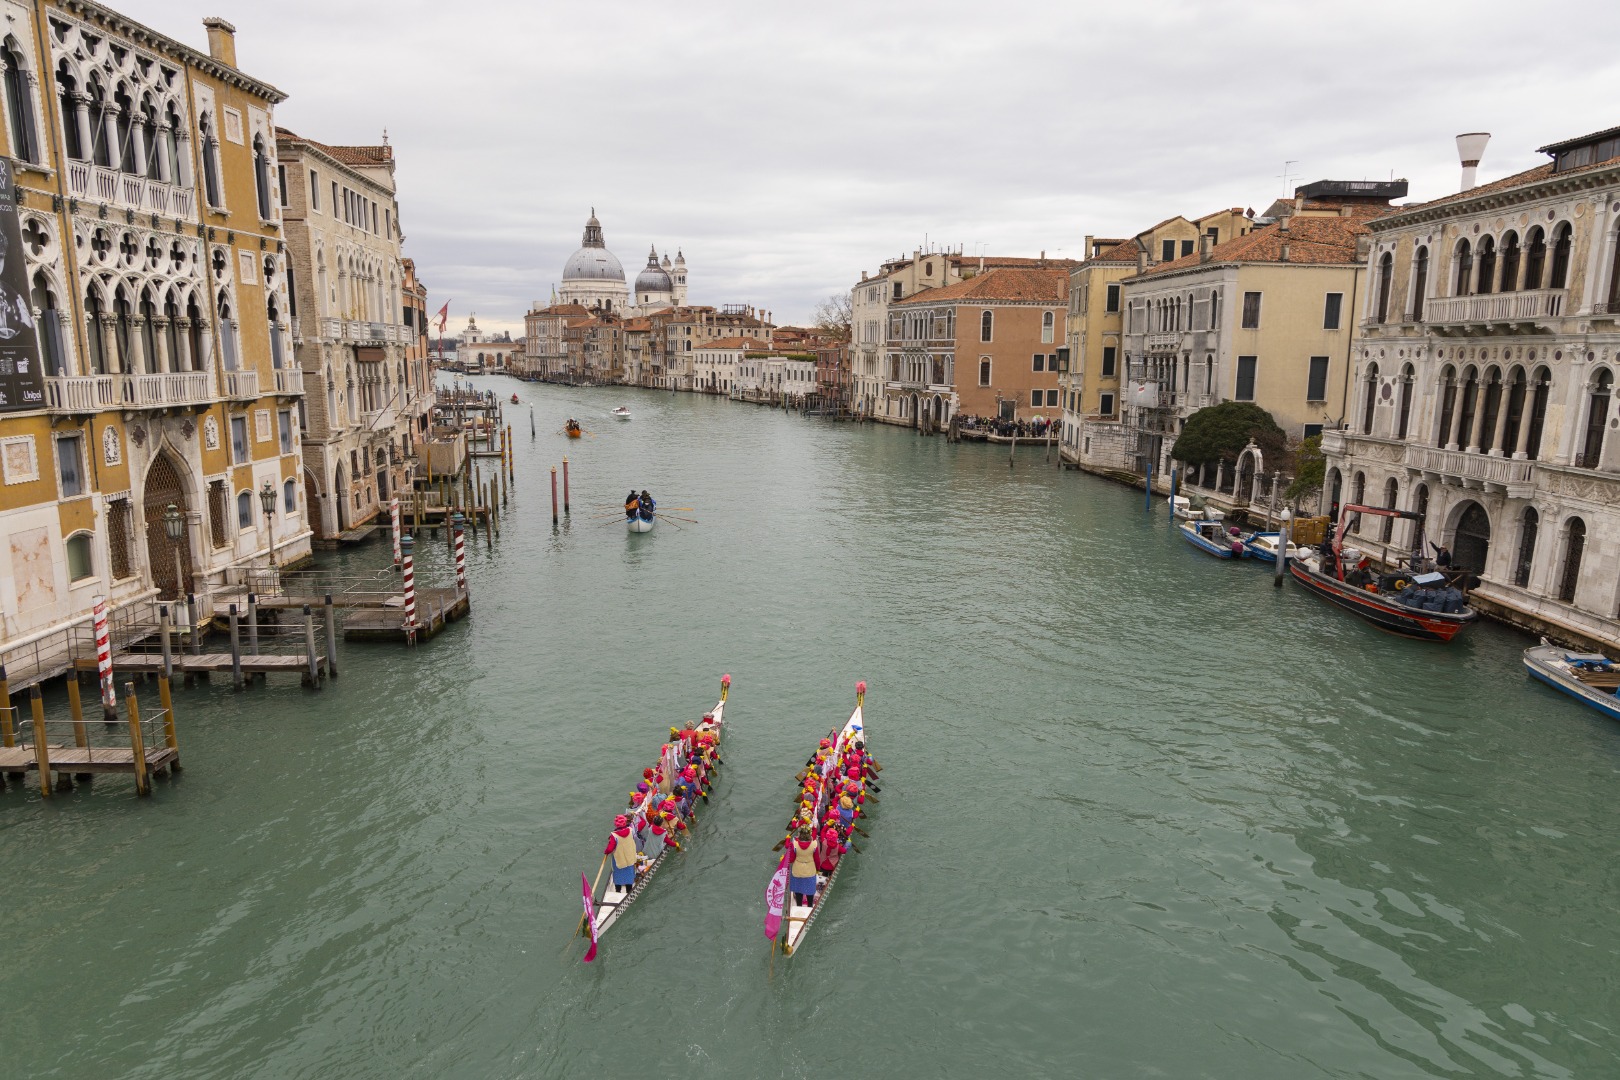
x,y
1143,815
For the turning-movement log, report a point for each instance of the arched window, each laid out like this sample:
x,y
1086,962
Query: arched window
x,y
176,167
987,324
1408,375
19,103
81,562
1369,398
1559,277
1048,324
1420,506
1538,411
1386,274
1574,547
1510,263
1492,404
1358,497
1486,275
1470,406
1516,393
289,497
1448,404
99,151
1420,281
1597,418
261,176
1529,521
227,332
67,89
51,351
1535,258
1465,269
1392,492
1334,486
148,329
121,327
210,155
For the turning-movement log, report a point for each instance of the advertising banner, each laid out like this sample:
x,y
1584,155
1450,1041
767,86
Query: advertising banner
x,y
22,379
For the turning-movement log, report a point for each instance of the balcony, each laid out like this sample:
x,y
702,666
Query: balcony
x,y
363,333
242,385
1515,477
81,393
1163,341
96,183
1513,307
167,390
289,382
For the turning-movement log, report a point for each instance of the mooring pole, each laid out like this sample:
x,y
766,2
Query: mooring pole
x,y
312,677
531,423
1284,532
565,484
331,639
554,496
253,624
163,634
42,752
236,653
196,633
137,744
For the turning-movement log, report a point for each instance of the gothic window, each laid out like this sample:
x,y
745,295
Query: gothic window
x,y
1528,524
1407,378
149,331
261,176
210,154
1535,258
1486,275
1420,281
19,103
1597,418
1470,403
1369,399
1574,547
227,332
1386,271
1465,269
1559,278
1392,492
51,350
67,89
1510,263
1492,387
99,149
1538,411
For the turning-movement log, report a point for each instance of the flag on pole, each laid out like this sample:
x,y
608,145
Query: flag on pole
x,y
775,894
590,917
443,316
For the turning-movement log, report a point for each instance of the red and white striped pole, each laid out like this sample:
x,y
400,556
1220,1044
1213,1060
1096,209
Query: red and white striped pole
x,y
393,519
406,544
457,522
109,694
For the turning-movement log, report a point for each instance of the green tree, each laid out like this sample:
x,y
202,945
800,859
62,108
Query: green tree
x,y
1310,470
1220,432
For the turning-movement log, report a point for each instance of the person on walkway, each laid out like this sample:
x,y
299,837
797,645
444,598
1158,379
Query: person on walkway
x,y
801,852
621,847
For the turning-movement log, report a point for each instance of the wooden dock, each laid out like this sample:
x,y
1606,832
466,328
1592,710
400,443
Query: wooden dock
x,y
26,745
145,663
435,609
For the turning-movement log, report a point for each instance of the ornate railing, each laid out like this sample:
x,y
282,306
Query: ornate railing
x,y
81,393
170,388
1515,474
128,192
242,385
1496,307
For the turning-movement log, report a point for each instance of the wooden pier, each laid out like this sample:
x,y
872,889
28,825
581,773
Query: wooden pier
x,y
435,609
143,748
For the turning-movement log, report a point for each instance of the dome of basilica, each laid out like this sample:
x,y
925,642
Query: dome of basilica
x,y
653,279
593,261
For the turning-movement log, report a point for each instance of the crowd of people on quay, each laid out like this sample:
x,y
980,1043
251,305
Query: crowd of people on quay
x,y
831,798
663,805
1032,428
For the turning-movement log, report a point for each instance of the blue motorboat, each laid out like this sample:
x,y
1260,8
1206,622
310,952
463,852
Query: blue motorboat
x,y
1263,546
1212,538
1590,678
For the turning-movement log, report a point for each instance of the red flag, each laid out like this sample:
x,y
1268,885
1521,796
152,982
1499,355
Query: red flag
x,y
443,316
590,917
775,894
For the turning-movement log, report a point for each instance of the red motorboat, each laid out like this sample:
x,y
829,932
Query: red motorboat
x,y
1425,606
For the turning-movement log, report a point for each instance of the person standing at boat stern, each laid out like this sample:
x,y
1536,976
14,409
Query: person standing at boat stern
x,y
802,868
621,846
647,504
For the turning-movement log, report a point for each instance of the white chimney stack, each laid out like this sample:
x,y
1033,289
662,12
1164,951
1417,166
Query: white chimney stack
x,y
1471,147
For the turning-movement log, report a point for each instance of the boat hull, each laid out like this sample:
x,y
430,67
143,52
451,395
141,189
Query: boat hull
x,y
572,434
1208,546
799,918
640,524
1256,548
1385,614
1541,662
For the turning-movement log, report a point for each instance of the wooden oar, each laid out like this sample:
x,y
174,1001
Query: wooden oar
x,y
580,925
692,521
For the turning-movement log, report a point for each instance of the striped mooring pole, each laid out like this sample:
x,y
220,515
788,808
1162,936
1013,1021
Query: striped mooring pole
x,y
457,523
393,520
109,693
406,543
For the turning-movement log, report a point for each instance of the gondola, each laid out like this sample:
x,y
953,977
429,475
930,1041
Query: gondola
x,y
796,925
1421,606
607,909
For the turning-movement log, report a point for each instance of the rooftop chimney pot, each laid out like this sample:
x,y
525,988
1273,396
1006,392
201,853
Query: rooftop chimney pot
x,y
221,41
1470,149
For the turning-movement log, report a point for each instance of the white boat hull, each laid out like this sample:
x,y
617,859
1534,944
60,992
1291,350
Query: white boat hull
x,y
640,525
613,903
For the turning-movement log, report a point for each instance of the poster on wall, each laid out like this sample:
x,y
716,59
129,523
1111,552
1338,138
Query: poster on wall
x,y
22,379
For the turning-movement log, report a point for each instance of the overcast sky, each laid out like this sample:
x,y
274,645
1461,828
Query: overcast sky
x,y
787,147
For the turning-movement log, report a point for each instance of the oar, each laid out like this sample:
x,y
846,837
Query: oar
x,y
580,925
693,521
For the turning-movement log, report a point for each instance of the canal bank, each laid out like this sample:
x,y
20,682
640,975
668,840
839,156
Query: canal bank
x,y
1141,811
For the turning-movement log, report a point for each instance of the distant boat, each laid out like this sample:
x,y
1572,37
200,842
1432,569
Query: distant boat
x,y
621,413
1263,546
1590,678
572,430
514,399
643,521
1212,538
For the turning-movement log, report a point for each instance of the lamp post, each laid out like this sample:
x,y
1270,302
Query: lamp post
x,y
267,499
174,527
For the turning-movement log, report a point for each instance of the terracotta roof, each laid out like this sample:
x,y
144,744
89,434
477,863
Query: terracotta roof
x,y
732,343
997,262
347,155
569,310
1310,240
638,324
1238,210
1005,284
1124,252
1529,176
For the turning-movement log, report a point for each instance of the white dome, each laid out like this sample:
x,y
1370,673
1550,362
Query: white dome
x,y
593,264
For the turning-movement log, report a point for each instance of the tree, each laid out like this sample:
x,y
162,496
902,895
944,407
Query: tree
x,y
1310,470
1220,432
834,315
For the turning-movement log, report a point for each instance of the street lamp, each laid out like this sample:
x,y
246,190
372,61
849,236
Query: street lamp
x,y
267,499
174,527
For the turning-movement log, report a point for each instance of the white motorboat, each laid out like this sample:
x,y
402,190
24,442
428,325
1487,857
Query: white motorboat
x,y
621,413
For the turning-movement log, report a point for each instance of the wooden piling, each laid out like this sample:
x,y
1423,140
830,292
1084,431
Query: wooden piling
x,y
42,750
312,676
253,624
331,639
137,744
489,525
509,455
196,635
554,496
77,708
502,471
7,736
566,499
236,653
169,739
168,646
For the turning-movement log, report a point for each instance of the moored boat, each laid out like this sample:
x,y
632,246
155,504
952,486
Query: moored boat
x,y
676,755
1264,545
1212,538
1184,509
1590,678
1424,606
827,765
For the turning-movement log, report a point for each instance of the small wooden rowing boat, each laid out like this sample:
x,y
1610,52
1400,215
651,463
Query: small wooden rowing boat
x,y
1590,678
643,522
571,432
800,918
612,904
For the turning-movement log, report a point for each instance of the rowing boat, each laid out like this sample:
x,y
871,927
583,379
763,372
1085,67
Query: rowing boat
x,y
607,909
799,917
642,522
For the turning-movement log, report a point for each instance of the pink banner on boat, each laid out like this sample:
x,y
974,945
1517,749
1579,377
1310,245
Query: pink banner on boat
x,y
590,917
775,894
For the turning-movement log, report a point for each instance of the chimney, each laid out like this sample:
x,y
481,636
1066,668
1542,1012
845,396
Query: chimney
x,y
1285,252
1203,248
1470,148
221,41
1141,260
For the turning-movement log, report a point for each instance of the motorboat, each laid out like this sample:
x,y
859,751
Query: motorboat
x,y
621,413
1263,546
1590,678
1213,538
1185,509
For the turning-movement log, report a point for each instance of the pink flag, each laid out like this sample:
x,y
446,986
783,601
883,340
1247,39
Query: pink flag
x,y
775,893
590,917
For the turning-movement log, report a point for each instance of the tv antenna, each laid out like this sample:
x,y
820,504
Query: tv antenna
x,y
1287,174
